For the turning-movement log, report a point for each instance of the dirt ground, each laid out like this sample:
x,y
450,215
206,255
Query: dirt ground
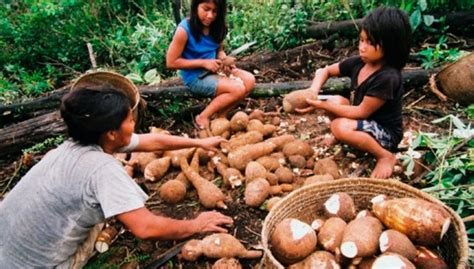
x,y
421,106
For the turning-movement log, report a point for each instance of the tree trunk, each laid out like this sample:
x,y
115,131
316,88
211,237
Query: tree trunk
x,y
18,136
456,20
27,133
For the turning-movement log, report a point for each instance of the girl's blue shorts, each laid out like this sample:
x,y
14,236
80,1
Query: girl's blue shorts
x,y
206,87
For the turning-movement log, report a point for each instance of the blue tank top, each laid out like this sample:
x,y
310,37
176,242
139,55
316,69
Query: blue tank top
x,y
205,48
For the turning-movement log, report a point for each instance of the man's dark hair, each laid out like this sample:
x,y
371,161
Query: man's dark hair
x,y
217,29
90,113
390,28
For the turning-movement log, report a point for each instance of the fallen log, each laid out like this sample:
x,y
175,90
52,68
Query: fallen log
x,y
461,19
27,133
21,135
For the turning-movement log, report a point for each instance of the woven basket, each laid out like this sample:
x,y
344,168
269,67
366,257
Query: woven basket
x,y
306,204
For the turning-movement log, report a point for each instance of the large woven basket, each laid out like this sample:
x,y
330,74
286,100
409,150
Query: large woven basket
x,y
306,204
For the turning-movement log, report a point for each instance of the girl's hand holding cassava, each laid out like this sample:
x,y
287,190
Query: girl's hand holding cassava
x,y
313,104
212,65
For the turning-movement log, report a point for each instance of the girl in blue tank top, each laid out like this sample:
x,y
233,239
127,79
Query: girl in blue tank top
x,y
196,48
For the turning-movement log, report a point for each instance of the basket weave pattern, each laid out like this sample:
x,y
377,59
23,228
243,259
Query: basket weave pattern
x,y
306,204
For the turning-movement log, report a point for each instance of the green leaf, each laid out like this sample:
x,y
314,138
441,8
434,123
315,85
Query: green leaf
x,y
150,75
134,77
415,19
428,20
422,4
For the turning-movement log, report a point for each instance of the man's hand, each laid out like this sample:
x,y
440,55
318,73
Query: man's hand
x,y
211,143
210,222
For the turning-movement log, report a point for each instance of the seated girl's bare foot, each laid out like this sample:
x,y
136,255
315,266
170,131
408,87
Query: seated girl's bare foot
x,y
202,123
384,167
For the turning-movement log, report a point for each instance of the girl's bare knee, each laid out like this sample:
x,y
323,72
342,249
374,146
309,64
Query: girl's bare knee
x,y
340,127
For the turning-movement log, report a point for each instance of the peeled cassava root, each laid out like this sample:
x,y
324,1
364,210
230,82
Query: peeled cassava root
x,y
319,259
423,222
292,241
392,261
104,239
361,237
220,245
331,233
396,242
340,205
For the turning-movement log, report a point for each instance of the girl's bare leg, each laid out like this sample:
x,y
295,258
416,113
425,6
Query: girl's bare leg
x,y
229,93
345,131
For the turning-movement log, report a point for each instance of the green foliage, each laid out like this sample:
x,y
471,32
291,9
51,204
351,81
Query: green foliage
x,y
440,54
43,44
45,145
452,178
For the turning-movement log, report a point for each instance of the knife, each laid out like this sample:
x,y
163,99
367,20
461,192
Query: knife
x,y
165,257
235,52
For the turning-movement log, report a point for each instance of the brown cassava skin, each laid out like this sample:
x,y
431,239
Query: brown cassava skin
x,y
269,129
157,168
281,141
276,121
317,224
272,178
330,234
254,170
270,163
289,249
364,233
366,263
209,194
240,157
279,156
141,159
298,147
272,202
219,245
396,242
239,121
428,259
364,213
297,99
279,189
402,262
297,161
255,125
285,175
242,140
219,126
343,203
257,114
192,250
231,176
318,259
420,220
227,263
256,192
173,191
327,166
177,154
317,178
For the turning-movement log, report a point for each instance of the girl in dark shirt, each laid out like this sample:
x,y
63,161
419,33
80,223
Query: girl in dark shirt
x,y
371,119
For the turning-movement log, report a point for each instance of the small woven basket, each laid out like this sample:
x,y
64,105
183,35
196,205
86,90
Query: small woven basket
x,y
306,204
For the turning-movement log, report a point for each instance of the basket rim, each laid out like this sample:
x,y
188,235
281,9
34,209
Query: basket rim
x,y
463,241
110,77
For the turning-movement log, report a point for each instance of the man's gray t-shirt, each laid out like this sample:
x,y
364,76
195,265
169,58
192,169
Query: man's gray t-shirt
x,y
50,211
